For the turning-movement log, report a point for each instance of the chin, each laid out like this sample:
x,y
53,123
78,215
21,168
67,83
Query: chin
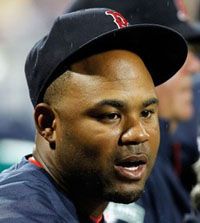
x,y
124,197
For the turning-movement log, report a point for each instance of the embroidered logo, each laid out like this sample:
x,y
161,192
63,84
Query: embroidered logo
x,y
119,20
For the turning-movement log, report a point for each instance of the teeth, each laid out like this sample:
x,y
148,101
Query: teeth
x,y
131,168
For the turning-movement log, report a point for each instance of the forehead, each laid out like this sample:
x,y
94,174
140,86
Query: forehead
x,y
113,65
116,73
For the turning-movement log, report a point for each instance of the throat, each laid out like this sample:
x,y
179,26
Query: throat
x,y
91,210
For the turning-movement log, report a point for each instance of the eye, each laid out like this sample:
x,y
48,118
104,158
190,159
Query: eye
x,y
147,113
109,117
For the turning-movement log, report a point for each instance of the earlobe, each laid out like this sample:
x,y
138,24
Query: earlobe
x,y
45,122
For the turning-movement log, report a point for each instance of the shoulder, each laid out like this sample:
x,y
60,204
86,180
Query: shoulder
x,y
28,193
24,178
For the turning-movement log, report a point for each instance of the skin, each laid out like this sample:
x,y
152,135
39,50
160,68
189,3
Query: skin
x,y
176,93
107,111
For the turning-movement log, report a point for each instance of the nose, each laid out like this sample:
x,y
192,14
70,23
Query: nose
x,y
135,135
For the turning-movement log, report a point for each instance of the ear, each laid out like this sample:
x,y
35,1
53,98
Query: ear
x,y
45,122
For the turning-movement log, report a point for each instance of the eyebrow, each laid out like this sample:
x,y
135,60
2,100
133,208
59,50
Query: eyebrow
x,y
150,102
111,102
121,104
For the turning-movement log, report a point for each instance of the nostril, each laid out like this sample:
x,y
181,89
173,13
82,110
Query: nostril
x,y
128,143
122,142
134,135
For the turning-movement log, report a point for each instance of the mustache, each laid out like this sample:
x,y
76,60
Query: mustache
x,y
134,149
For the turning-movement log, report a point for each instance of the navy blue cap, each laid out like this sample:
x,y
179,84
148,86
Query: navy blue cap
x,y
87,32
172,13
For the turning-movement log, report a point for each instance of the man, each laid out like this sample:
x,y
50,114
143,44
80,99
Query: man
x,y
153,204
91,81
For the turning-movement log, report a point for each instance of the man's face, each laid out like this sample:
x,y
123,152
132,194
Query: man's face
x,y
176,95
107,131
182,105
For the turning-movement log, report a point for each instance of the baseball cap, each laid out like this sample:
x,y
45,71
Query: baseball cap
x,y
86,32
172,13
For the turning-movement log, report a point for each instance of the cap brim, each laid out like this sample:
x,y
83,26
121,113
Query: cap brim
x,y
190,32
162,49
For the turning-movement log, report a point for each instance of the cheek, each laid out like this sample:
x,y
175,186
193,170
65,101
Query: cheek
x,y
154,142
93,140
102,146
154,133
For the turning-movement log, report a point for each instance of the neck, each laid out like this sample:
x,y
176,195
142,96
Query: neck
x,y
87,206
173,126
90,208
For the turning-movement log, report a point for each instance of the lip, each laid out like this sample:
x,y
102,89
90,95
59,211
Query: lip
x,y
134,172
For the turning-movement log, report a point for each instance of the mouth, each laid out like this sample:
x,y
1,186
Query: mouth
x,y
132,167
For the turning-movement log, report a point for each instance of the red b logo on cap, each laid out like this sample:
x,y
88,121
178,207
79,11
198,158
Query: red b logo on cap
x,y
119,20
